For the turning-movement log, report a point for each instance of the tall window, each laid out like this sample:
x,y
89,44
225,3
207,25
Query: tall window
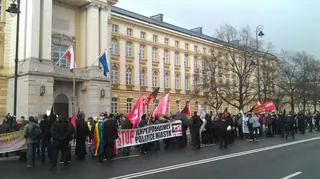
x,y
166,56
177,81
57,52
129,76
114,75
166,80
177,43
186,60
114,47
154,54
186,46
114,105
154,79
195,48
115,28
155,38
142,78
129,32
141,51
204,50
129,104
176,58
142,35
129,52
166,41
178,105
187,83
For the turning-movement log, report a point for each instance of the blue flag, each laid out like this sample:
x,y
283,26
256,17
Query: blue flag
x,y
103,61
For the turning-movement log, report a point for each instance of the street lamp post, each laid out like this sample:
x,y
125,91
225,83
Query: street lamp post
x,y
259,33
13,9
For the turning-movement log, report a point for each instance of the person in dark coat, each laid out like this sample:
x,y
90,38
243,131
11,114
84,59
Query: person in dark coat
x,y
60,132
289,126
317,119
196,123
230,134
110,134
82,134
45,138
301,123
220,128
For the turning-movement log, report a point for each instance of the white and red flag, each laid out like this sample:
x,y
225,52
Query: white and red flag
x,y
136,112
70,58
162,107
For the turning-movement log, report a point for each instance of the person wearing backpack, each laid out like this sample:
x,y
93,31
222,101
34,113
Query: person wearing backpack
x,y
32,134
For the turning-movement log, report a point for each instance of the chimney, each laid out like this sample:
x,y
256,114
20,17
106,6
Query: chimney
x,y
158,17
197,30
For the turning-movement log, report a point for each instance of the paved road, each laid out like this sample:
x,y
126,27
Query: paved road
x,y
275,163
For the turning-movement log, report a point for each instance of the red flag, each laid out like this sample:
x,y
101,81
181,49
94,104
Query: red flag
x,y
162,107
269,106
258,108
186,110
74,120
152,96
136,112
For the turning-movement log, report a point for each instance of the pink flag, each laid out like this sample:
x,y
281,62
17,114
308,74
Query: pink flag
x,y
136,112
74,120
162,107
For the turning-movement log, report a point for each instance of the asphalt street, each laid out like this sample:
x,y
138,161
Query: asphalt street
x,y
242,160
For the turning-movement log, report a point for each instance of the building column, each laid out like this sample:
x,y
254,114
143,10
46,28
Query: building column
x,y
149,67
136,63
182,74
122,59
161,69
172,71
93,32
46,30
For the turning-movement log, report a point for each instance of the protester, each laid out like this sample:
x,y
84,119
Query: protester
x,y
45,139
110,134
60,132
32,133
220,128
196,123
81,136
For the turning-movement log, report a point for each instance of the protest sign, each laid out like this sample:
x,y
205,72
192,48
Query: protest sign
x,y
10,142
132,137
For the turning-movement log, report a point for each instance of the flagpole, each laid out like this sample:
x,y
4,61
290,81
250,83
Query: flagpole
x,y
74,86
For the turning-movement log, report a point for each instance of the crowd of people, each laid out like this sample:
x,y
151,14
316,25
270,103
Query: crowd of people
x,y
48,137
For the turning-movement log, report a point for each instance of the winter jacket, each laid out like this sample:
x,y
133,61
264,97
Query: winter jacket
x,y
27,132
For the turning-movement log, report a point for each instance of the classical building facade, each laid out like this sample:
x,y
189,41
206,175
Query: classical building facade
x,y
47,29
144,53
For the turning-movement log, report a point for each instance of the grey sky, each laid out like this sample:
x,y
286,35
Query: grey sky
x,y
288,24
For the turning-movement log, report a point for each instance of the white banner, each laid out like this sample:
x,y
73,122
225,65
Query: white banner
x,y
245,128
132,137
14,141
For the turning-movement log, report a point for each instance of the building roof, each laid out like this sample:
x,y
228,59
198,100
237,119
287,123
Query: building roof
x,y
165,25
172,27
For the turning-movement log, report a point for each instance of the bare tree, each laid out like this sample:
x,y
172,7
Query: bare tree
x,y
288,77
209,83
239,59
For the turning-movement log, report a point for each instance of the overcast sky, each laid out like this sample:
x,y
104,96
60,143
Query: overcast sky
x,y
288,24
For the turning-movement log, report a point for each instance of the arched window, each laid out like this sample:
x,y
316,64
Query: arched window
x,y
154,79
129,76
114,75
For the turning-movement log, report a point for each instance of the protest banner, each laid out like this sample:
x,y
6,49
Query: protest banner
x,y
132,137
10,142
